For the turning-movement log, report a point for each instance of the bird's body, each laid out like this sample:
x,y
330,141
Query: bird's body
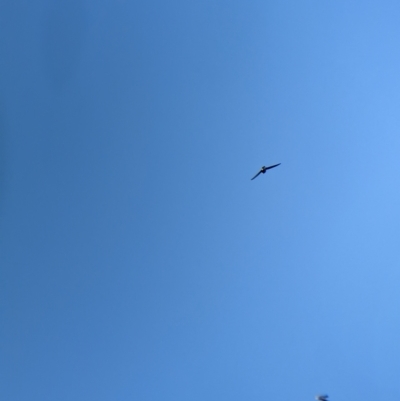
x,y
322,397
264,169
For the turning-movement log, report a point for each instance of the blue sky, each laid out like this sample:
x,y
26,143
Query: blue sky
x,y
138,260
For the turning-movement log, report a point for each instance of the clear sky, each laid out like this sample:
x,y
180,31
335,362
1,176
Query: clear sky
x,y
137,259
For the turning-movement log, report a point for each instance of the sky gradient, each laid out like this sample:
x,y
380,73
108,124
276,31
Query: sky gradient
x,y
137,259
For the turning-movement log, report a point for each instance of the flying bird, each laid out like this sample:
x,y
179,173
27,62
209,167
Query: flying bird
x,y
263,170
323,397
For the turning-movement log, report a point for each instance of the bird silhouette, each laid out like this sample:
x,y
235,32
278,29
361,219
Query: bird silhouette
x,y
263,170
322,397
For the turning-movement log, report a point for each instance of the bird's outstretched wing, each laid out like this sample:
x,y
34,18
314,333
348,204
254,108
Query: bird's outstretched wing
x,y
322,397
257,175
275,165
